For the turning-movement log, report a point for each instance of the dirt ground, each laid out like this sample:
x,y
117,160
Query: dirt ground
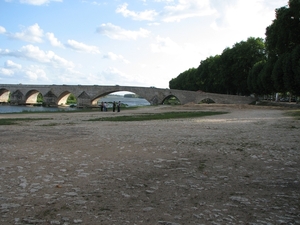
x,y
242,167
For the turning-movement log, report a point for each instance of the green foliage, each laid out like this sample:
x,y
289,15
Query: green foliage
x,y
71,99
294,113
40,98
130,96
253,66
185,81
255,84
283,48
172,100
226,73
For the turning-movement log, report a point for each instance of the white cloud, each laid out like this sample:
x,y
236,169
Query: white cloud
x,y
165,45
12,65
10,68
6,72
81,47
31,34
34,73
145,15
38,2
248,18
2,30
115,57
113,76
53,40
118,33
187,9
33,53
164,0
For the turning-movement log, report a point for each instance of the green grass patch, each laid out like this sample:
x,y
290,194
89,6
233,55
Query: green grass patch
x,y
158,116
294,113
49,124
13,121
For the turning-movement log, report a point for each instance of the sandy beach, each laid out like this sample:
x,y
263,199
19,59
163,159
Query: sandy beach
x,y
242,167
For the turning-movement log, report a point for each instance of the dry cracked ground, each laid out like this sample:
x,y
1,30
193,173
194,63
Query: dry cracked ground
x,y
242,167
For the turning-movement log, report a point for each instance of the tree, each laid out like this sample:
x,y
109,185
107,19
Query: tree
x,y
225,74
295,57
255,84
266,77
237,62
207,75
282,45
185,81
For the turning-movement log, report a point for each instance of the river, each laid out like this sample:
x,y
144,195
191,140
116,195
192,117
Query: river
x,y
129,102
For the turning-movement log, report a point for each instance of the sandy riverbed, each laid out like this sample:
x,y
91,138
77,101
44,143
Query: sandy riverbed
x,y
242,167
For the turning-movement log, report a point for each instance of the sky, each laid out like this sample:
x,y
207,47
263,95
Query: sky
x,y
121,42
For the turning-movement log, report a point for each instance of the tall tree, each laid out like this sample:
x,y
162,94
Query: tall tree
x,y
254,81
282,38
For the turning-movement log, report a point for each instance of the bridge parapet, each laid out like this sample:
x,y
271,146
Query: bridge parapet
x,y
87,95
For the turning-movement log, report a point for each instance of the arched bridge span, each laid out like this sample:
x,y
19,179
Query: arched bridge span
x,y
87,95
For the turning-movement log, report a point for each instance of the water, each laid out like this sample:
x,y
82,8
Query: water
x,y
16,109
126,101
129,102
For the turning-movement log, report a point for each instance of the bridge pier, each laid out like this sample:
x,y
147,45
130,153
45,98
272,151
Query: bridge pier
x,y
17,98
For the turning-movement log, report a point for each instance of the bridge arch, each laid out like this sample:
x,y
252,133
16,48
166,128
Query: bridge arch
x,y
171,100
95,99
4,95
63,97
207,101
31,97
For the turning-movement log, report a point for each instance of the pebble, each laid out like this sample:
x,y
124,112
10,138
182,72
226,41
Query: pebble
x,y
224,175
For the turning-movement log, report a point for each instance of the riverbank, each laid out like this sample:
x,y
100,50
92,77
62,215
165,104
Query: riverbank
x,y
242,167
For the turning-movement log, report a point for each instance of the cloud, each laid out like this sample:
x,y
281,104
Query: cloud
x,y
248,18
38,2
115,57
53,40
33,53
10,68
117,33
186,9
32,34
12,65
6,72
81,47
165,45
113,76
145,15
35,73
2,30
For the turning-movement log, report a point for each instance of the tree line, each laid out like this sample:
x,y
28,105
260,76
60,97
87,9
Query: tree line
x,y
253,66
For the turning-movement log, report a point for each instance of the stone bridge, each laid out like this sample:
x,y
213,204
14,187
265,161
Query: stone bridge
x,y
88,95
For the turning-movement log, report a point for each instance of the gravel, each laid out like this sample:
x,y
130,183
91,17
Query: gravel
x,y
242,167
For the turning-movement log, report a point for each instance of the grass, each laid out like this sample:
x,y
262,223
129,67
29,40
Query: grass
x,y
49,124
158,116
13,121
294,113
202,165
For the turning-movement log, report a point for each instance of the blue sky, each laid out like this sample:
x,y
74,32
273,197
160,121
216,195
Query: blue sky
x,y
121,42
